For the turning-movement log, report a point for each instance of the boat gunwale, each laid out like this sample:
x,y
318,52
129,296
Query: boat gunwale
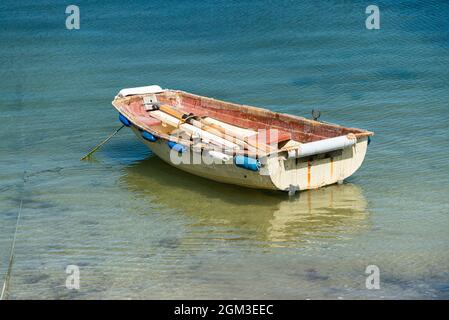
x,y
119,103
279,115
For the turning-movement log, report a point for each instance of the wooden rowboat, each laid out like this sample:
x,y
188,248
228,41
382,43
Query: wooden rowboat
x,y
239,144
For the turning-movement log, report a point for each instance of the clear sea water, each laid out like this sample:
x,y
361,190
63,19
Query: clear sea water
x,y
138,228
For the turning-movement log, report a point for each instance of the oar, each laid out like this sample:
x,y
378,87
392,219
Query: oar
x,y
250,140
198,122
102,143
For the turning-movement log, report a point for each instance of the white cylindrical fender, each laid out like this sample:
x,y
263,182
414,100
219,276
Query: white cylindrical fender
x,y
139,90
322,146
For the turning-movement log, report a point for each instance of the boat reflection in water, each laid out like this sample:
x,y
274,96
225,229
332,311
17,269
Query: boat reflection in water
x,y
268,218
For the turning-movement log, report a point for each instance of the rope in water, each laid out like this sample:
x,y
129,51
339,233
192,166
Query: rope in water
x,y
102,143
5,288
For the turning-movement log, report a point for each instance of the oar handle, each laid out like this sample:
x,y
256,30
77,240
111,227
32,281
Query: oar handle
x,y
167,109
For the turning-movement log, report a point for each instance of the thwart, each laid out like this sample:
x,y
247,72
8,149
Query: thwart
x,y
239,144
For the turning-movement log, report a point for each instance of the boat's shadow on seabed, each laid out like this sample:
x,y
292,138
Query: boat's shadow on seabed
x,y
270,217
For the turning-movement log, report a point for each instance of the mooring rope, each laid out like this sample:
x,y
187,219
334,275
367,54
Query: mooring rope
x,y
5,288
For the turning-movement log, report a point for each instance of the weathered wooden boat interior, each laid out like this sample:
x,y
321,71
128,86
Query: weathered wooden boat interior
x,y
246,120
302,129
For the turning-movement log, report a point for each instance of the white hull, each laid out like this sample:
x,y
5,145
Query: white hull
x,y
278,171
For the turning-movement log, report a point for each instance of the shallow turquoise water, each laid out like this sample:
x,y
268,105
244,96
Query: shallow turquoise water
x,y
138,228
